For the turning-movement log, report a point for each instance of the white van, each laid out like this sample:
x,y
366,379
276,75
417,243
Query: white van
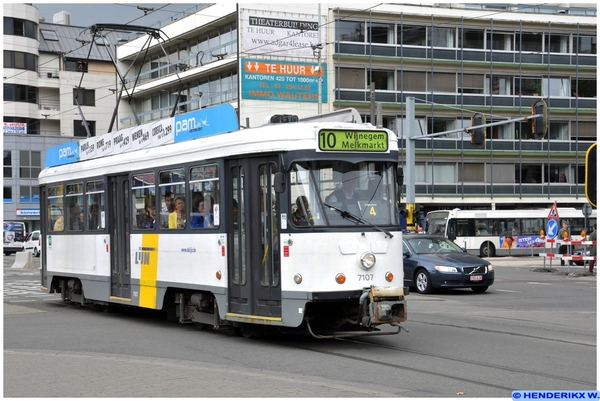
x,y
34,242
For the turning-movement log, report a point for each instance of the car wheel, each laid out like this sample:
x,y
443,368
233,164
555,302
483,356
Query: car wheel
x,y
423,282
487,250
36,252
479,290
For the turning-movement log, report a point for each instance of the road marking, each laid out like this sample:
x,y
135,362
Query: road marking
x,y
501,290
535,282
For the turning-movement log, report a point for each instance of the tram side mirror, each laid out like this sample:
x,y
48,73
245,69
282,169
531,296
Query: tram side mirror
x,y
279,182
451,236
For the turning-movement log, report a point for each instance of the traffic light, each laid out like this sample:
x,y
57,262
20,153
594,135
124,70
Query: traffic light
x,y
591,184
478,134
539,125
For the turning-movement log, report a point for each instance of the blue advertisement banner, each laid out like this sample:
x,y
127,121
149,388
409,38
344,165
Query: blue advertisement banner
x,y
283,81
205,122
521,241
62,154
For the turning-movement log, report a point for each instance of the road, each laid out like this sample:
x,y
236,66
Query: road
x,y
531,330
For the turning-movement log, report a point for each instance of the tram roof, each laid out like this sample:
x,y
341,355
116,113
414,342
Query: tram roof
x,y
266,139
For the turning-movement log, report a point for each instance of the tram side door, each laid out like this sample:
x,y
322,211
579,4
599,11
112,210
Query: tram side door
x,y
253,259
119,212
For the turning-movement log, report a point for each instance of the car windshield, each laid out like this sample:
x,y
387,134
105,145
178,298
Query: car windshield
x,y
335,193
433,245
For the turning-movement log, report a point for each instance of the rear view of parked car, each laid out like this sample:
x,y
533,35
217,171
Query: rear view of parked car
x,y
33,242
434,262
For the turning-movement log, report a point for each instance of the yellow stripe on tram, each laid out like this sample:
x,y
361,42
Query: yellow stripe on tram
x,y
149,269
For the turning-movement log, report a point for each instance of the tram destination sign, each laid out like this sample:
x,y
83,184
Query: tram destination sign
x,y
353,141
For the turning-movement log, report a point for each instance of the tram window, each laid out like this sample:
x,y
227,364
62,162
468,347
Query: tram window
x,y
172,187
144,203
74,203
204,202
94,191
55,208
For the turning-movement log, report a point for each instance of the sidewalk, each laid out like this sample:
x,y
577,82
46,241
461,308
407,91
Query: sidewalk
x,y
541,264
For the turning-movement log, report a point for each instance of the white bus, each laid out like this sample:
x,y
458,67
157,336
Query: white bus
x,y
255,261
491,233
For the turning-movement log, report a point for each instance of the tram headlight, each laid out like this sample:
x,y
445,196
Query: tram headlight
x,y
367,260
297,278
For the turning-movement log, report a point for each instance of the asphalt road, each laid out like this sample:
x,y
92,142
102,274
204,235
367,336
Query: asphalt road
x,y
533,329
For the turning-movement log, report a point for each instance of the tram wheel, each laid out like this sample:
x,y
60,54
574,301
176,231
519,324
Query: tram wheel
x,y
247,331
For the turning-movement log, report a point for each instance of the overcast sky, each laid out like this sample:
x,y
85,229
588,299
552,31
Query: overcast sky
x,y
117,13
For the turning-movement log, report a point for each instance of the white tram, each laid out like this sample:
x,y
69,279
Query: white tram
x,y
247,258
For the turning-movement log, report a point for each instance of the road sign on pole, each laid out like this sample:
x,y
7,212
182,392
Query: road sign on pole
x,y
553,215
552,229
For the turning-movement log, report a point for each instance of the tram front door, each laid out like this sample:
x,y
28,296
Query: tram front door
x,y
253,257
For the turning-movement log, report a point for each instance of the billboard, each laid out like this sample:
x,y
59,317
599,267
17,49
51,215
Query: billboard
x,y
289,34
283,81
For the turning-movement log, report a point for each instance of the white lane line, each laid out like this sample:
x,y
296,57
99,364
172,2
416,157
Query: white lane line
x,y
501,290
534,282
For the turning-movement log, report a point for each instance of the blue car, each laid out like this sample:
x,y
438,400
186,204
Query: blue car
x,y
434,262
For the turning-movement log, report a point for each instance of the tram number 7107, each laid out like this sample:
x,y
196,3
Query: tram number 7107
x,y
365,277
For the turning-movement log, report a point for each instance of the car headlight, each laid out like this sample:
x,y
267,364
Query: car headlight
x,y
446,269
490,268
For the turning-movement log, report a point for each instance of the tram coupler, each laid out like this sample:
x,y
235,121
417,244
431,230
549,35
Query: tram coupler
x,y
382,305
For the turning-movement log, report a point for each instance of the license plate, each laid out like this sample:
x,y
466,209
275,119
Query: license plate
x,y
476,278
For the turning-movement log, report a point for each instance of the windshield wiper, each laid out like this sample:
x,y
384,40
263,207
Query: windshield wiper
x,y
356,219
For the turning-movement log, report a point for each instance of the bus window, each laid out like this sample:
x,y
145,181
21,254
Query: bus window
x,y
144,205
55,208
204,204
74,198
172,186
94,191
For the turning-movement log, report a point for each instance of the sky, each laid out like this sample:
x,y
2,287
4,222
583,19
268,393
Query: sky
x,y
117,13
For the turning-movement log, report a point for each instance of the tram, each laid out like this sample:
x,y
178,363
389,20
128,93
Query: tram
x,y
237,229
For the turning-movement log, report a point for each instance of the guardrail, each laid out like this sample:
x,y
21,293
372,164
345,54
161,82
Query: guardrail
x,y
566,256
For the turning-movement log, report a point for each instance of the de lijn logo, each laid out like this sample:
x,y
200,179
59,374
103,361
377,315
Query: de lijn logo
x,y
205,122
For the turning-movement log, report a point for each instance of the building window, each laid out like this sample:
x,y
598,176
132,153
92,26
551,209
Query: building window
x,y
499,85
380,33
85,97
557,130
7,194
442,37
472,39
528,173
583,88
384,80
556,43
20,93
20,27
7,164
79,128
528,87
76,65
471,172
585,44
500,41
29,194
412,35
412,81
20,60
531,42
30,163
350,31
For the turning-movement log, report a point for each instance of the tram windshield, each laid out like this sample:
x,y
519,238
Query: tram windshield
x,y
321,191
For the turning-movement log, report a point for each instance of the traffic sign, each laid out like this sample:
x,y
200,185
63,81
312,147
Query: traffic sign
x,y
552,229
553,212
